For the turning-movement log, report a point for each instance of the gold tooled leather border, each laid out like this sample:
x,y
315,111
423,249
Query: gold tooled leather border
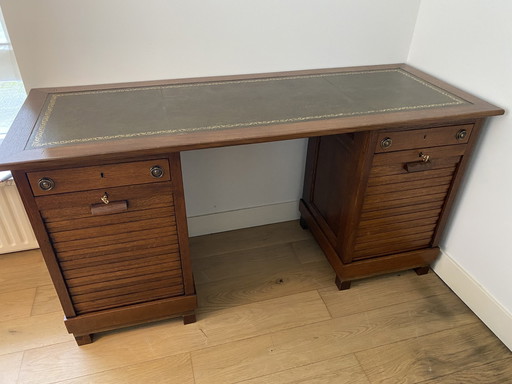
x,y
37,142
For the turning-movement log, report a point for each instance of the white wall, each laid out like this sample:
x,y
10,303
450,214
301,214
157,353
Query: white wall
x,y
469,43
68,42
63,42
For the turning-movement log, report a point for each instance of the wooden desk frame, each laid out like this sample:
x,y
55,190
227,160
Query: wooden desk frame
x,y
361,132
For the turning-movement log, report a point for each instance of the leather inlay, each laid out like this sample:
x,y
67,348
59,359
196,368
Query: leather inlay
x,y
89,116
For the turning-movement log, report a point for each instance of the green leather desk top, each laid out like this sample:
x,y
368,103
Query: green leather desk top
x,y
114,122
93,116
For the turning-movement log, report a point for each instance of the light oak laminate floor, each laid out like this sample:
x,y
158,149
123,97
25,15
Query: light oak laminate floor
x,y
269,312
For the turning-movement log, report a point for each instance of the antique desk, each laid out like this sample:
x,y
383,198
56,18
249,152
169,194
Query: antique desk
x,y
98,169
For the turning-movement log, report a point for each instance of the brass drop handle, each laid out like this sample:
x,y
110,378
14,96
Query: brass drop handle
x,y
112,208
104,198
417,166
46,184
156,171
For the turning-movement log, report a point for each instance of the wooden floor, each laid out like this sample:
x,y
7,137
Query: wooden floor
x,y
269,313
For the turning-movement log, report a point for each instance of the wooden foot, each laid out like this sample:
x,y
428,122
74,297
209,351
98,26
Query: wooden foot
x,y
342,285
84,339
422,270
303,223
187,319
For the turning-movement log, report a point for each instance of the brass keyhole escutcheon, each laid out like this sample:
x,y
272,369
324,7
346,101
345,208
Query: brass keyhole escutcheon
x,y
104,198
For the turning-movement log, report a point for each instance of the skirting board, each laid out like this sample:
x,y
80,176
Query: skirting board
x,y
485,306
243,218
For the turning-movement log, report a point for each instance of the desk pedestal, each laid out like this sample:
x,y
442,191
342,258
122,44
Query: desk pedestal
x,y
114,237
377,202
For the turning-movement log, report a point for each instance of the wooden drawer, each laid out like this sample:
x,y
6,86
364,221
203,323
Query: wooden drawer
x,y
427,137
73,206
401,208
387,164
98,177
118,259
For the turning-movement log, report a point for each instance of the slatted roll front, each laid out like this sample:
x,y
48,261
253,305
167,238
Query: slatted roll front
x,y
117,259
401,207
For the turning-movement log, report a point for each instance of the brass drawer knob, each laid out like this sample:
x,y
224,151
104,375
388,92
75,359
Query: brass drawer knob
x,y
156,171
46,184
461,135
386,142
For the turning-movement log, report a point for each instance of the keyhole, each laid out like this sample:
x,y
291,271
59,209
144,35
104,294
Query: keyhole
x,y
101,175
424,137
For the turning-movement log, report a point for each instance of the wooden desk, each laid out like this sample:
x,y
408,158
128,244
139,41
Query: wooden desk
x,y
98,169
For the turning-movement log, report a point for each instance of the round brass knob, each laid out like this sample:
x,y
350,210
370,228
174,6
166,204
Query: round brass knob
x,y
46,184
386,142
156,171
461,135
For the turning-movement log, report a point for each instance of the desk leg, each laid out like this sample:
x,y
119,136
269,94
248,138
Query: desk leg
x,y
342,285
422,270
84,339
190,318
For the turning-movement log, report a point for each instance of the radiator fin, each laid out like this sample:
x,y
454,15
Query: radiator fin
x,y
15,231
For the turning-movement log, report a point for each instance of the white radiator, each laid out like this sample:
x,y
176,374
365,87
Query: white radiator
x,y
15,231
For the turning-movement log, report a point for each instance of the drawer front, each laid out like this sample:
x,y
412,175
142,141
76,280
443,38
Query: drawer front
x,y
117,259
78,204
426,137
98,177
401,207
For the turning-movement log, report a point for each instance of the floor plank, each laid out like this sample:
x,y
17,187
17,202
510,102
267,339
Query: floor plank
x,y
499,371
10,367
167,370
344,369
32,332
237,361
263,284
263,317
240,264
16,304
381,291
45,301
22,270
242,239
418,317
433,355
110,350
308,251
